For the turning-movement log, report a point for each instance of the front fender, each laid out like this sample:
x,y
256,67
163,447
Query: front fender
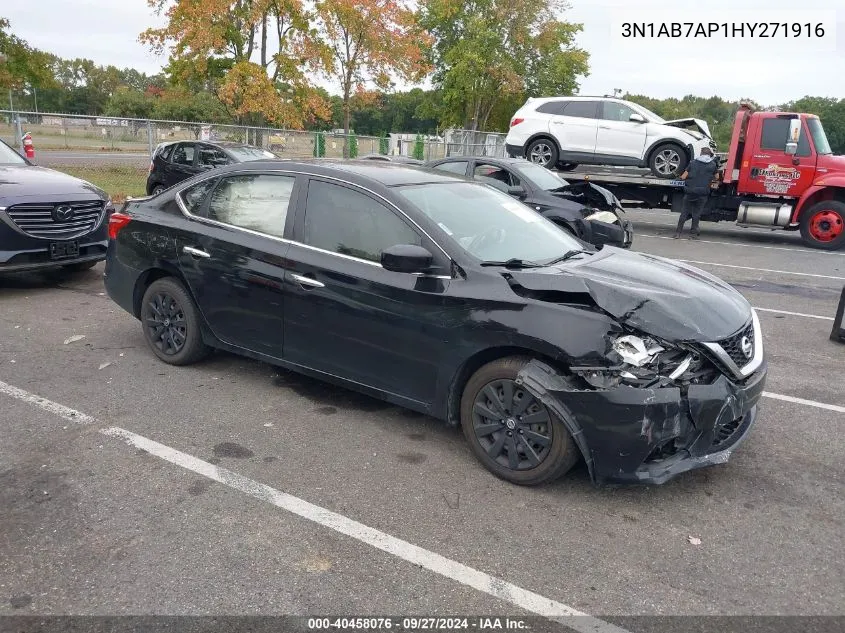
x,y
819,190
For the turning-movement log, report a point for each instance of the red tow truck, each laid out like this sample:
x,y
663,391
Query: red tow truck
x,y
779,173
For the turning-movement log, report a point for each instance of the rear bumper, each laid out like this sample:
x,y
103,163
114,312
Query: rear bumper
x,y
515,151
120,281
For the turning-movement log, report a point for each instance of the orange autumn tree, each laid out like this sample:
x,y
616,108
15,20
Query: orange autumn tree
x,y
369,42
254,54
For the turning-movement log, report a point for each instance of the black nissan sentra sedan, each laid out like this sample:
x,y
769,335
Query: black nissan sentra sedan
x,y
48,219
453,299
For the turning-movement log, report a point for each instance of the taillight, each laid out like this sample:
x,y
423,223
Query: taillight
x,y
116,222
516,122
151,166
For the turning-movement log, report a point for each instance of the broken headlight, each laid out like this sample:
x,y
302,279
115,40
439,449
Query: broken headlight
x,y
642,361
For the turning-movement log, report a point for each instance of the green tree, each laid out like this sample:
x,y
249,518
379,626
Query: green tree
x,y
832,114
419,148
129,102
488,50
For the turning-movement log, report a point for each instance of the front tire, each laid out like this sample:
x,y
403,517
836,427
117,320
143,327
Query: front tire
x,y
823,225
542,152
171,323
512,433
668,160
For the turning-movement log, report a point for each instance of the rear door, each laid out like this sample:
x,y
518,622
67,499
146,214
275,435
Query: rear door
x,y
347,316
773,172
233,258
617,135
575,127
182,164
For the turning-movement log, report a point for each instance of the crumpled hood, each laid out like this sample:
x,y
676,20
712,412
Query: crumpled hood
x,y
665,298
701,124
27,183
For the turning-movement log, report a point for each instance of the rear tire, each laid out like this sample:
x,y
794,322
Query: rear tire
x,y
514,436
80,267
668,160
157,190
543,152
171,323
823,225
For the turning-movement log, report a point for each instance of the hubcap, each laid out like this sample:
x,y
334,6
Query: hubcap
x,y
511,425
541,154
667,162
165,323
826,225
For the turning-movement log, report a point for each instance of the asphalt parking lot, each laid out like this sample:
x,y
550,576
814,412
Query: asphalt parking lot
x,y
136,519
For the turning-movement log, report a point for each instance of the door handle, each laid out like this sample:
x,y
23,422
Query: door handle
x,y
307,281
604,127
195,252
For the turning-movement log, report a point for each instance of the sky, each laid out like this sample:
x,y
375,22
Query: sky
x,y
771,71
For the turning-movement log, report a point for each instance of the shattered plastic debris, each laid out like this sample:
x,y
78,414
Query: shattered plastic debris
x,y
633,350
104,365
694,540
74,338
268,424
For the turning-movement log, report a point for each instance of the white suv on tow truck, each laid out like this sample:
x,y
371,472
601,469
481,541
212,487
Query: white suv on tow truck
x,y
564,132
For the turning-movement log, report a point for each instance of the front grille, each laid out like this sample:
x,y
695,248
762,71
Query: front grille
x,y
733,346
41,220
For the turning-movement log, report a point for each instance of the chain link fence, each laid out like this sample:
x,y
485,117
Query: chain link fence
x,y
114,153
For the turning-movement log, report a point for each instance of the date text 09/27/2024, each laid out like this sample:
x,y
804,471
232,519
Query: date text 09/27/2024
x,y
768,30
418,623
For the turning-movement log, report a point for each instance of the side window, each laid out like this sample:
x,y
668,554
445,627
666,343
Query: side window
x,y
616,111
194,196
258,202
345,221
496,176
459,167
581,109
183,154
774,135
552,107
211,157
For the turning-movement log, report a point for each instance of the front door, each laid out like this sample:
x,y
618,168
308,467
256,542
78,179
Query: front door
x,y
347,316
233,257
181,165
618,136
773,172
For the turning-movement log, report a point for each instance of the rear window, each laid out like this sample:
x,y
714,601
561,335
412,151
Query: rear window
x,y
552,107
581,109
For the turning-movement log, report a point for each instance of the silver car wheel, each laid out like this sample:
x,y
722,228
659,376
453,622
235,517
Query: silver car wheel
x,y
667,162
541,154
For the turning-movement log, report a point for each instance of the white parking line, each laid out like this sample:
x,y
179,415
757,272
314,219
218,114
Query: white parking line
x,y
55,408
745,245
808,403
764,270
798,314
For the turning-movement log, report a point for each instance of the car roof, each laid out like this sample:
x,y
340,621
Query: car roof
x,y
389,174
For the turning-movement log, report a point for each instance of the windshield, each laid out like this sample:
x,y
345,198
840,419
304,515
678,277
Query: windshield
x,y
8,156
542,177
819,137
488,224
246,153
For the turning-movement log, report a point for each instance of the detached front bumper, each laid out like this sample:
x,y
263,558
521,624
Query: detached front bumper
x,y
600,232
648,436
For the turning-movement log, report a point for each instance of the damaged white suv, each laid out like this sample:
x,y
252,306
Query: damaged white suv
x,y
565,132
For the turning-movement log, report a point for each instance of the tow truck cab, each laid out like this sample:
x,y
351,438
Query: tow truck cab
x,y
783,174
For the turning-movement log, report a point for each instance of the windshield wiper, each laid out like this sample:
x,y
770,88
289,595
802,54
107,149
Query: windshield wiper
x,y
568,255
513,263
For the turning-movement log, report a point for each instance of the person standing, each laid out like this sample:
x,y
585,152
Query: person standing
x,y
697,178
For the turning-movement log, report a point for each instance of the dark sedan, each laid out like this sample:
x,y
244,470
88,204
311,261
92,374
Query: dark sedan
x,y
48,219
588,211
179,160
450,298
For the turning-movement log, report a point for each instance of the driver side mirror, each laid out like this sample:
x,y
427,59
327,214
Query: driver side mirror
x,y
793,138
407,258
516,190
637,118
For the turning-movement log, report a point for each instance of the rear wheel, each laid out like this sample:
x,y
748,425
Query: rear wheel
x,y
668,161
510,431
823,225
157,190
542,152
171,323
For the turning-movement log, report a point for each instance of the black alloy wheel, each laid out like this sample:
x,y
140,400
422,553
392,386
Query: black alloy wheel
x,y
171,323
511,425
165,321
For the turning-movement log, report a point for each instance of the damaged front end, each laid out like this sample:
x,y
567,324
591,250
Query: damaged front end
x,y
655,410
603,213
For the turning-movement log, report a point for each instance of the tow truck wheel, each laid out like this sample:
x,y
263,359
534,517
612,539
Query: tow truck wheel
x,y
823,225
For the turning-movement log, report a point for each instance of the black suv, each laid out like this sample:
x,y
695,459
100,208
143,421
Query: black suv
x,y
179,160
49,219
